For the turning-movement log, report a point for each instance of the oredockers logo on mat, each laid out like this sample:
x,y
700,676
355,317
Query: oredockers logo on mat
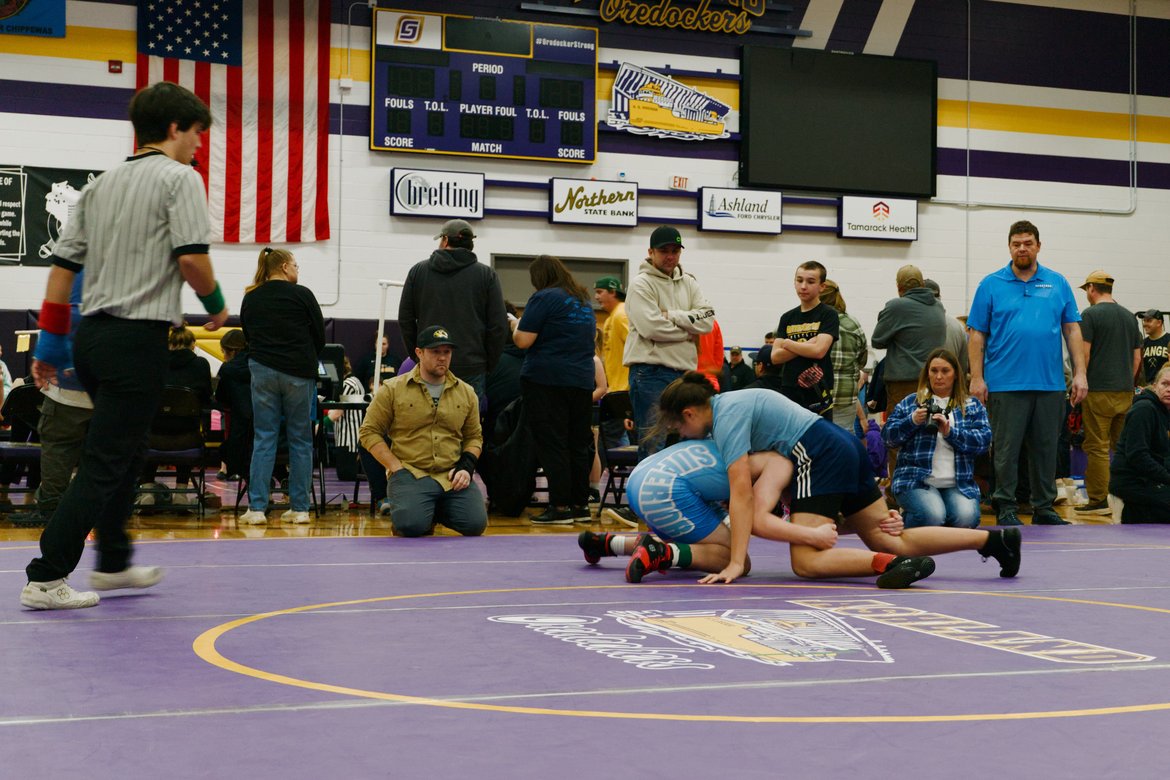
x,y
777,637
936,624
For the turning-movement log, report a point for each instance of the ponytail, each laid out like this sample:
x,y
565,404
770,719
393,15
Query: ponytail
x,y
268,263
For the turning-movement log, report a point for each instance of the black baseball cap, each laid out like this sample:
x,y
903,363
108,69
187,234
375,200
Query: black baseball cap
x,y
663,235
435,336
1150,314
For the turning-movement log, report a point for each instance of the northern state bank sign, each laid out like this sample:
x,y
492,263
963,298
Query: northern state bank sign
x,y
718,16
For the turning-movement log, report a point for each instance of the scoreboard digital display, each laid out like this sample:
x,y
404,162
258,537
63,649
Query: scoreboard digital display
x,y
448,84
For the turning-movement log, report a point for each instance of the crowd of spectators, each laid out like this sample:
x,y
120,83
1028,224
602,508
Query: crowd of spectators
x,y
965,411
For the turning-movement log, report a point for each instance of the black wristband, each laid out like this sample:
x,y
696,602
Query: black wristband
x,y
467,463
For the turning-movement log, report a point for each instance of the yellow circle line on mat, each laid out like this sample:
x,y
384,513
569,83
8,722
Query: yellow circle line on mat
x,y
205,647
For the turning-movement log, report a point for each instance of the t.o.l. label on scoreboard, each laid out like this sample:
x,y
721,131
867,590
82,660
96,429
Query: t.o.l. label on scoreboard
x,y
890,219
421,193
592,202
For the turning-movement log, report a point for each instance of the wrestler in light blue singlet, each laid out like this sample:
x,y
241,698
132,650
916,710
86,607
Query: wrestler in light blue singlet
x,y
676,491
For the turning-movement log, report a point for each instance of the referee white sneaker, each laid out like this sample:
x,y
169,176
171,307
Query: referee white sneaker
x,y
293,516
130,577
56,594
253,517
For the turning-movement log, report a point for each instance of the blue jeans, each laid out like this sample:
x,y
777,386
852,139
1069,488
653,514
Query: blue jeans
x,y
938,506
278,397
646,385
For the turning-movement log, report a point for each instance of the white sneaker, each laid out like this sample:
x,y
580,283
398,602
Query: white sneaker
x,y
56,594
293,516
130,577
253,517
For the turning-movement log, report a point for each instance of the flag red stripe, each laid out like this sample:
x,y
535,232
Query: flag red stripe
x,y
321,229
203,90
264,107
233,163
171,70
141,76
296,116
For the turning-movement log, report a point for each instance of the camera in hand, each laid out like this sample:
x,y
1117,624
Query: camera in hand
x,y
932,408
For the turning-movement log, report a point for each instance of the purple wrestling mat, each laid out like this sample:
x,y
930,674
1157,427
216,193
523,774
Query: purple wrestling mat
x,y
508,657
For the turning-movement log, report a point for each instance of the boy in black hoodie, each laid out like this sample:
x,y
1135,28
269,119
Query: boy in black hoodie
x,y
1139,475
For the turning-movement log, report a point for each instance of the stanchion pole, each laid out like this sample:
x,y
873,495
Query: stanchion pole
x,y
385,284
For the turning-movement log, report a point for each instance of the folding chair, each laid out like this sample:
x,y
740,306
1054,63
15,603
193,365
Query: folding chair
x,y
21,454
176,438
617,460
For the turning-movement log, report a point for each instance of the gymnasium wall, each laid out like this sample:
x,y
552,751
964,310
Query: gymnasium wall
x,y
1035,121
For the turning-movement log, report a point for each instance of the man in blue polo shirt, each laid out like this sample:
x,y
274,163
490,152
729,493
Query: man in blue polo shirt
x,y
1015,325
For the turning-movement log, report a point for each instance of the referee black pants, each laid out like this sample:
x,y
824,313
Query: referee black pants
x,y
122,364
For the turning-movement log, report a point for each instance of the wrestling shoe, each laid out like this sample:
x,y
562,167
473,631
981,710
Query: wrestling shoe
x,y
904,572
649,555
130,577
56,594
594,545
1004,546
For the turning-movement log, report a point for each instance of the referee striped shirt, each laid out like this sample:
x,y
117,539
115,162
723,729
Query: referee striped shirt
x,y
127,231
346,430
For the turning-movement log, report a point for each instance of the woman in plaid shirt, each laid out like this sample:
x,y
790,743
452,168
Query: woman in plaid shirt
x,y
940,429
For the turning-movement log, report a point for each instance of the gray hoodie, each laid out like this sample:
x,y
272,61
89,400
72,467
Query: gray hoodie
x,y
908,328
668,339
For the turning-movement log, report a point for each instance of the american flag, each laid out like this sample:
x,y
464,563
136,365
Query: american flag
x,y
263,68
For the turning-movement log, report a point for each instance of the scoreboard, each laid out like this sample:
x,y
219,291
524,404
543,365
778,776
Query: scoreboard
x,y
442,83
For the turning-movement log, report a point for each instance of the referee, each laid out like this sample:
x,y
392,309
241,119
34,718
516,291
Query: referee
x,y
138,231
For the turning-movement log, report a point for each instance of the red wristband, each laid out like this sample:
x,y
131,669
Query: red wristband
x,y
55,318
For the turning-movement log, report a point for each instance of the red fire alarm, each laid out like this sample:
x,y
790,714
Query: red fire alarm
x,y
115,66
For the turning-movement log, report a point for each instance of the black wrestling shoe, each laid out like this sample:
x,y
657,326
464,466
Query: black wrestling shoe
x,y
594,545
1004,546
904,572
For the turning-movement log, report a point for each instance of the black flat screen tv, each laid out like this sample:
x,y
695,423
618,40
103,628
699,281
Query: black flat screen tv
x,y
838,123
